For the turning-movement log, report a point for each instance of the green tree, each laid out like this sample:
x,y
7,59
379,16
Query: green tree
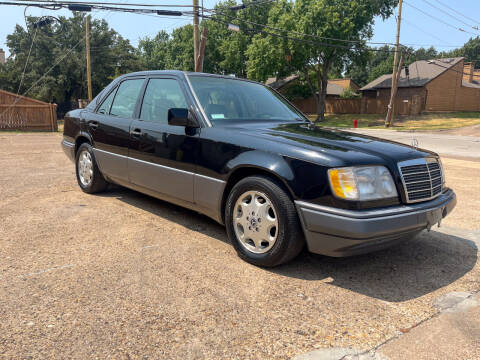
x,y
335,19
348,93
232,46
180,49
225,51
153,52
62,46
470,50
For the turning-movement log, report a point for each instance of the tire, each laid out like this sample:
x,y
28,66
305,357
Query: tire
x,y
260,244
89,178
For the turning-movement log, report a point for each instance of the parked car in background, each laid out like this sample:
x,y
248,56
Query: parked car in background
x,y
240,153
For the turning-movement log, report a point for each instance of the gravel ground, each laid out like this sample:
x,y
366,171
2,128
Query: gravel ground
x,y
124,276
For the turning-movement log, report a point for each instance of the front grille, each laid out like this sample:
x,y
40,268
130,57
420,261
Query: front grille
x,y
422,179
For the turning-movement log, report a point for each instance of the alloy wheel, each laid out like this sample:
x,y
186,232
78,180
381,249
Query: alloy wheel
x,y
255,222
85,168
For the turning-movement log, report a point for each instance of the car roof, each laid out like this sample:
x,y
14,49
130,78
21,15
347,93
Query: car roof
x,y
182,74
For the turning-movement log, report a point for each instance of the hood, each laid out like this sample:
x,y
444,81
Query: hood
x,y
350,148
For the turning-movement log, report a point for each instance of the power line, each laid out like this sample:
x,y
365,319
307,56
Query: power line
x,y
253,3
440,20
97,6
296,32
87,7
26,62
103,3
459,13
68,52
318,43
44,74
431,45
424,31
452,16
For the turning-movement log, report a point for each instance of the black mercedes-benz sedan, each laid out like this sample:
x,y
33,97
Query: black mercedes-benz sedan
x,y
240,153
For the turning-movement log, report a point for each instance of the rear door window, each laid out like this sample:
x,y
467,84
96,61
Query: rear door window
x,y
126,98
107,103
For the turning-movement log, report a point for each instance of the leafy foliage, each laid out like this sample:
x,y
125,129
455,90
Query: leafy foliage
x,y
66,82
351,21
470,50
348,93
225,51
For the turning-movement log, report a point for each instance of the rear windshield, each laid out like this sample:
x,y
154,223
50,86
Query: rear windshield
x,y
224,100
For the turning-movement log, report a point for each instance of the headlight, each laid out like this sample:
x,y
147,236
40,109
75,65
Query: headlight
x,y
362,183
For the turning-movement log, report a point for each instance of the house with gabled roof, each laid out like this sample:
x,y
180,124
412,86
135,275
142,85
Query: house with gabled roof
x,y
431,85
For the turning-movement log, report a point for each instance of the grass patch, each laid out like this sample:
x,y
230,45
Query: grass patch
x,y
346,120
431,121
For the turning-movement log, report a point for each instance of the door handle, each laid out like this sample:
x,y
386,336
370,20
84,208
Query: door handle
x,y
136,132
93,124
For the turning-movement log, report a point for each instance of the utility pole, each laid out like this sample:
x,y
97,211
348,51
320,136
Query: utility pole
x,y
87,50
196,36
201,55
390,111
394,93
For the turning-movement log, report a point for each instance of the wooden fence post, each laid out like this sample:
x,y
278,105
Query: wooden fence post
x,y
54,117
363,106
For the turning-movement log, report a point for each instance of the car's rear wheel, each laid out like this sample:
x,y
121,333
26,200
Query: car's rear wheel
x,y
262,222
89,177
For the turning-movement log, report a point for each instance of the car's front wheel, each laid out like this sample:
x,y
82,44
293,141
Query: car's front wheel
x,y
89,177
262,222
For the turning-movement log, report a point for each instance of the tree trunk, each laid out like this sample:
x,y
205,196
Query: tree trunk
x,y
322,76
314,92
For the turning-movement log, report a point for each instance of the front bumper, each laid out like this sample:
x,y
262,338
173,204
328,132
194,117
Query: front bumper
x,y
69,149
338,232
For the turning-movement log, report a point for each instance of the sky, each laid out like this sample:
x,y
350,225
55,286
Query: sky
x,y
418,28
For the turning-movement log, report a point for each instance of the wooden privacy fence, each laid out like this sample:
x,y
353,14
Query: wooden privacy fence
x,y
343,106
364,105
22,113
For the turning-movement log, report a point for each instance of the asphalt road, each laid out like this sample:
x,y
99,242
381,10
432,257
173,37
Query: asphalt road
x,y
124,276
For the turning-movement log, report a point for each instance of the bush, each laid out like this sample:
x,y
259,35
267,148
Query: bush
x,y
348,93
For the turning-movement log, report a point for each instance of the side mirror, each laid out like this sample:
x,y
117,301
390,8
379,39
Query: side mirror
x,y
181,117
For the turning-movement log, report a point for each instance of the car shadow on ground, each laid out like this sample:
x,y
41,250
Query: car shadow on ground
x,y
406,271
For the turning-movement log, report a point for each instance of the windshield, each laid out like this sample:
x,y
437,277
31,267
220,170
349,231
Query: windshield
x,y
224,100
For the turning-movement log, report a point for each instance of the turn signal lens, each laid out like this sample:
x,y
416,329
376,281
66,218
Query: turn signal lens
x,y
343,183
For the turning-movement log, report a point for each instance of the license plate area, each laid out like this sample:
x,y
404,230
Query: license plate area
x,y
434,216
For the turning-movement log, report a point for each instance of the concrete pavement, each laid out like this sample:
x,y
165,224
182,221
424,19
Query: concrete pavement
x,y
459,146
452,333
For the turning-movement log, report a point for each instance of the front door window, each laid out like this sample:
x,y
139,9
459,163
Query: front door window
x,y
161,95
